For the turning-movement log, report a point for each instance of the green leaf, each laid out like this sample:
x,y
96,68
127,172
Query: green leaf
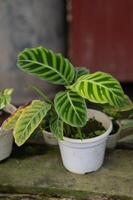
x,y
47,65
79,71
2,102
111,111
116,112
11,121
56,127
29,120
5,97
101,88
131,115
127,104
126,123
71,108
8,91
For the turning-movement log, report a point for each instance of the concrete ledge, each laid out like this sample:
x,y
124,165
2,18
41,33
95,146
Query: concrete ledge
x,y
37,169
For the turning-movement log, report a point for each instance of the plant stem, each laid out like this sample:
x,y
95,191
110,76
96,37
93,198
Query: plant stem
x,y
80,133
42,94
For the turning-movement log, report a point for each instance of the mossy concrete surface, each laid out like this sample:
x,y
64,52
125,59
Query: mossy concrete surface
x,y
38,170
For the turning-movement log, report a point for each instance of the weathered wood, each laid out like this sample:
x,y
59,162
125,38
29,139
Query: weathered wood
x,y
101,36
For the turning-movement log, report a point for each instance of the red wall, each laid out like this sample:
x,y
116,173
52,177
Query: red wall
x,y
101,36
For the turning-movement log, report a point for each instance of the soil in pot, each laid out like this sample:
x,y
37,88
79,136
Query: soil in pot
x,y
92,129
86,155
3,116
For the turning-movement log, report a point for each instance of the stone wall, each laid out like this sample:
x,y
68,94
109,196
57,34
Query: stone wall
x,y
28,23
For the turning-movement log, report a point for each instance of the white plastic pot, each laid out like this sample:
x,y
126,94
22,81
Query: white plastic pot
x,y
6,138
112,139
49,138
83,156
6,142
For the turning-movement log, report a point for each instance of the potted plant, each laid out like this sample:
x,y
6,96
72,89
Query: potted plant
x,y
6,137
82,148
118,121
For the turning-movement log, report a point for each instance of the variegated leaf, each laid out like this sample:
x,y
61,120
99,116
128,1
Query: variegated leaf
x,y
47,65
56,127
29,120
79,71
71,108
11,121
101,88
116,112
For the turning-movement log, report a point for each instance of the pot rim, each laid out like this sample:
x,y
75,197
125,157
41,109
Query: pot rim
x,y
2,132
94,139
